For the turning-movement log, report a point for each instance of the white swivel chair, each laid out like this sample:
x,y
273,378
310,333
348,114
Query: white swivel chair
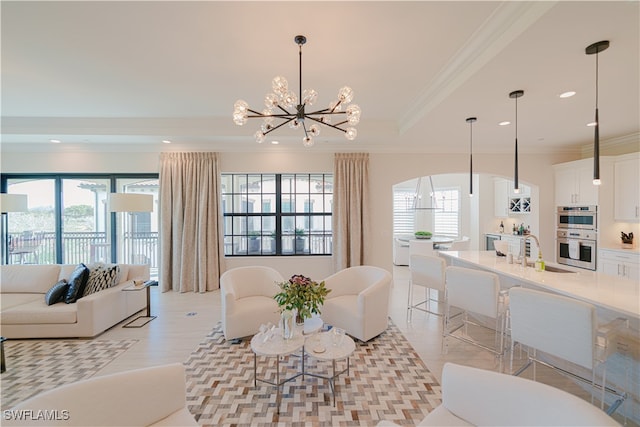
x,y
475,397
358,301
400,251
565,328
477,294
421,246
460,245
154,396
247,300
428,272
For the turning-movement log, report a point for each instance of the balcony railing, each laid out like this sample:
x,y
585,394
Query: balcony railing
x,y
86,247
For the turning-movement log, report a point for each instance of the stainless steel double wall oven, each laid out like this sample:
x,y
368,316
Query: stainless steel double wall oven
x,y
577,235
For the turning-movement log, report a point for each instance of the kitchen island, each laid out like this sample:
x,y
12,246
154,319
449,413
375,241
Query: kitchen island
x,y
613,296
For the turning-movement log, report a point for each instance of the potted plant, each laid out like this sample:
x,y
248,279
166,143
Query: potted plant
x,y
423,234
300,239
301,294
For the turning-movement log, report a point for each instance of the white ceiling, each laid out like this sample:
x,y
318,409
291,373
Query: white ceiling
x,y
125,75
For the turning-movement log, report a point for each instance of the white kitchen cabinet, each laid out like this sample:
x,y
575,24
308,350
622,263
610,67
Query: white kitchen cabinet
x,y
501,198
507,201
626,192
574,183
620,263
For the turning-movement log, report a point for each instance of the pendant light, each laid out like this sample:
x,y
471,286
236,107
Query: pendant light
x,y
470,120
596,48
515,95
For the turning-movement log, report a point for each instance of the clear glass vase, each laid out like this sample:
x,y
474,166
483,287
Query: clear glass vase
x,y
286,324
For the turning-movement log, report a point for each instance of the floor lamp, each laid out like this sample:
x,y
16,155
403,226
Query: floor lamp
x,y
130,202
10,203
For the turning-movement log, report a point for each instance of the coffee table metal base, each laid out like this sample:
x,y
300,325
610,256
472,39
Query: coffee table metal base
x,y
330,352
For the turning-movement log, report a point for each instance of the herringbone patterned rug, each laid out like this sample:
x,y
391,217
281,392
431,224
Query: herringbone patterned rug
x,y
387,381
37,366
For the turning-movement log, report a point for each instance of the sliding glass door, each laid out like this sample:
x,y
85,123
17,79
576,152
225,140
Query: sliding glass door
x,y
68,221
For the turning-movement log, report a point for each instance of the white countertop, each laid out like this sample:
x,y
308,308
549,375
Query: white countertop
x,y
613,293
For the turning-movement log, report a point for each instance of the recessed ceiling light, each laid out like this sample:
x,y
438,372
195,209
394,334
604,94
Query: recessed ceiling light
x,y
506,122
55,141
275,142
166,141
591,124
567,94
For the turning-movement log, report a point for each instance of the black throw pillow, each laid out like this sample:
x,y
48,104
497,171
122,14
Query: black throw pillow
x,y
57,292
77,283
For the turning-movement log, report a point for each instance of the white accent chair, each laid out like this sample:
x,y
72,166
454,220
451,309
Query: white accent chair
x,y
358,301
475,294
475,397
400,251
427,272
247,300
421,246
460,245
153,396
569,330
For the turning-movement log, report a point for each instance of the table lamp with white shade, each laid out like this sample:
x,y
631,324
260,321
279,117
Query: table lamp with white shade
x,y
10,203
130,202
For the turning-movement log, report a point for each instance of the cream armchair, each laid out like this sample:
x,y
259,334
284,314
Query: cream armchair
x,y
358,301
475,397
472,396
247,300
153,396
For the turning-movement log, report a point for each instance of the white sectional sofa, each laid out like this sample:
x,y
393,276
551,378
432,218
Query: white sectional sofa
x,y
24,313
153,396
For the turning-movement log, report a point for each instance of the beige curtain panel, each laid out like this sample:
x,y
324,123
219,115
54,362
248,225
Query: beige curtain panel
x,y
190,222
350,209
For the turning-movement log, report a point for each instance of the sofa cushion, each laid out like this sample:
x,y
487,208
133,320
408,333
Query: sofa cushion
x,y
8,301
101,277
22,278
57,292
77,283
37,312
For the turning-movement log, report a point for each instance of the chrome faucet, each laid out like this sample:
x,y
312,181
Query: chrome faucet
x,y
523,247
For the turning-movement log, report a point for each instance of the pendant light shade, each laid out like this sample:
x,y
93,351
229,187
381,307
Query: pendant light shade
x,y
470,120
515,95
592,49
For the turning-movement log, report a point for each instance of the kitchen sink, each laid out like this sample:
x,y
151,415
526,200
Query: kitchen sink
x,y
552,269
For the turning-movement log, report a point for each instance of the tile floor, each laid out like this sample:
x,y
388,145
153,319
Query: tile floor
x,y
185,319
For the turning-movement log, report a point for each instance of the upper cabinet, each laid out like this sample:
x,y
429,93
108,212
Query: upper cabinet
x,y
508,202
626,190
574,183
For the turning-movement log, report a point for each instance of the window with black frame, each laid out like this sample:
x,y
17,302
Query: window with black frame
x,y
277,214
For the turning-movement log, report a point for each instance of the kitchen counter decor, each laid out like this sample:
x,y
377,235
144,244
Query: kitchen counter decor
x,y
627,240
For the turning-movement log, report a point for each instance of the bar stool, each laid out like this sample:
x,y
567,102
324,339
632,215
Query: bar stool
x,y
428,272
567,329
477,293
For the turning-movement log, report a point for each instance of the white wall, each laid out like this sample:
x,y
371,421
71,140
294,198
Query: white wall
x,y
385,171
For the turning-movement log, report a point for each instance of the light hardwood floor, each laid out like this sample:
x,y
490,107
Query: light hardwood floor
x,y
184,319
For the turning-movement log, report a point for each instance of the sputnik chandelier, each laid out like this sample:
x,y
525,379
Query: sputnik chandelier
x,y
283,107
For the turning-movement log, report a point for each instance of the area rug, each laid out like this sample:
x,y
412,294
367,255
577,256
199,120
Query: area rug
x,y
387,381
34,366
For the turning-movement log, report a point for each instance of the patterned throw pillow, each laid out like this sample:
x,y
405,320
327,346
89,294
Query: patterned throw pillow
x,y
56,293
102,277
